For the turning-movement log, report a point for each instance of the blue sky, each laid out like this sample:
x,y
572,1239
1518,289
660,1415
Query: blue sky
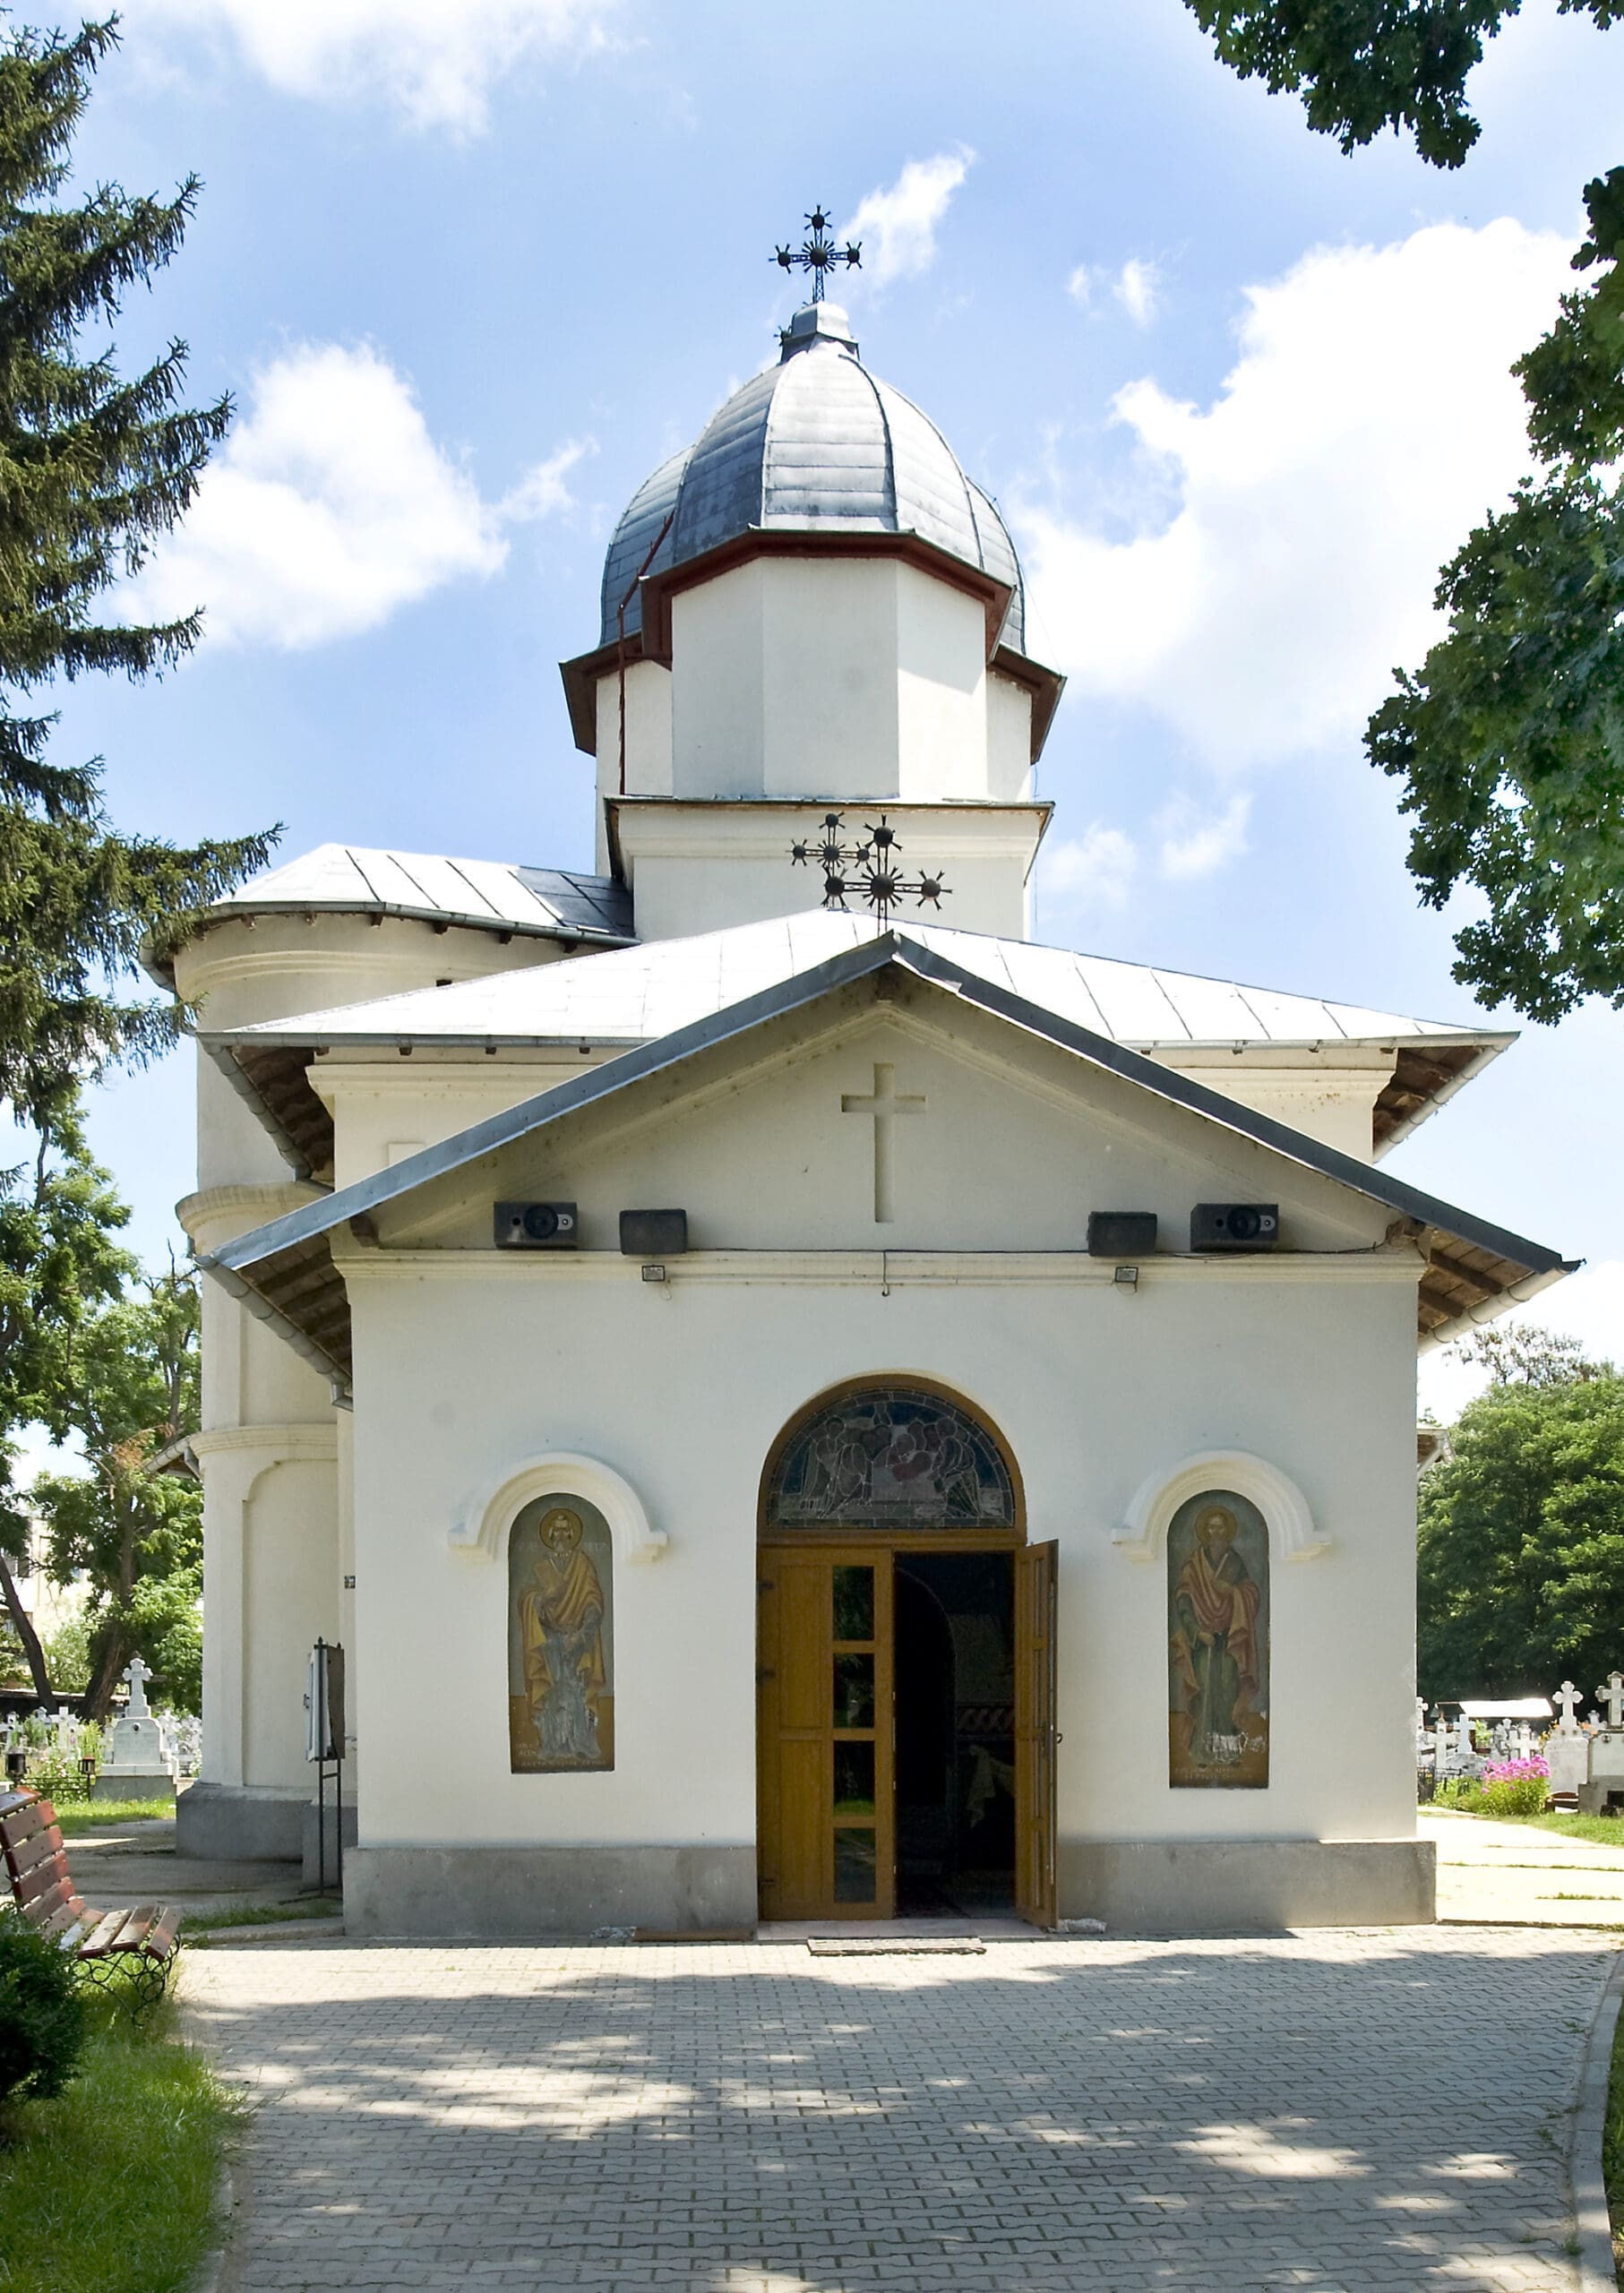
x,y
473,270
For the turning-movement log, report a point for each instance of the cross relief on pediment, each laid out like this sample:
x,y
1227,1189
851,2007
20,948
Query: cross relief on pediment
x,y
883,1107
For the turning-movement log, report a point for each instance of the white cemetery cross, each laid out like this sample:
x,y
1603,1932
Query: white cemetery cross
x,y
1440,1744
135,1765
1607,1747
1568,1751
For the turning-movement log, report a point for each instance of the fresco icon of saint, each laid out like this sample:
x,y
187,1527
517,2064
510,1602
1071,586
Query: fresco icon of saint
x,y
1217,1643
561,1661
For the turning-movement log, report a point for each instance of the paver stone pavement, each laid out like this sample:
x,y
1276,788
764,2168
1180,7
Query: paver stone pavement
x,y
1349,2111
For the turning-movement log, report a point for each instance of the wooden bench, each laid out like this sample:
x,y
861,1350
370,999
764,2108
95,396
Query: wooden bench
x,y
140,1944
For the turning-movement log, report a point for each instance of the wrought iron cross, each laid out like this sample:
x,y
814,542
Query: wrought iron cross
x,y
817,254
869,869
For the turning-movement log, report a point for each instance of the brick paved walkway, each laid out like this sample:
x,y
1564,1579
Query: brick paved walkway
x,y
1351,2110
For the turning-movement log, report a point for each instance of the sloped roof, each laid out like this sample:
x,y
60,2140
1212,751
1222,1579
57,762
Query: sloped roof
x,y
285,1270
492,895
640,993
636,993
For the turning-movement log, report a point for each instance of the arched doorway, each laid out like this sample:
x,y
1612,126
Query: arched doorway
x,y
905,1736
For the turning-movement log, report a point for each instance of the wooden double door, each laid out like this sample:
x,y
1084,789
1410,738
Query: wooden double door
x,y
827,1726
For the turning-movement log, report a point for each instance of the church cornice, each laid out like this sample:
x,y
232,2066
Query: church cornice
x,y
887,1268
974,828
652,640
243,1204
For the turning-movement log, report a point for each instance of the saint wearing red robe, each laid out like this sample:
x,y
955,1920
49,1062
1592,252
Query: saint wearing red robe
x,y
561,1616
1216,1655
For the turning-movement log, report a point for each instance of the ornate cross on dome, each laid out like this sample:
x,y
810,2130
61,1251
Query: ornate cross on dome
x,y
817,253
878,878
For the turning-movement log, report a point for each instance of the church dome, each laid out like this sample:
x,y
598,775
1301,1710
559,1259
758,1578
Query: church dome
x,y
815,444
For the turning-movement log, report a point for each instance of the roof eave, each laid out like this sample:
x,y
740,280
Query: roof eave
x,y
1531,1264
161,969
650,640
369,1194
1516,1293
1487,1048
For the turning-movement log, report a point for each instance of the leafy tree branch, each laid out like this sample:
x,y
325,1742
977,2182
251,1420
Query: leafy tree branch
x,y
1508,739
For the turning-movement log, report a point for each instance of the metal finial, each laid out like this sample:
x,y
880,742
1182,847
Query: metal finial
x,y
817,254
867,871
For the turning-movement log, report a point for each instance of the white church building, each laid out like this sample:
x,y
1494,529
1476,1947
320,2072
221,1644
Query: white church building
x,y
804,1411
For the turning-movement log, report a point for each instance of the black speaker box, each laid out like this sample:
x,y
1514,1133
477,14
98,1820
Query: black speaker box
x,y
536,1226
1234,1226
653,1233
1121,1233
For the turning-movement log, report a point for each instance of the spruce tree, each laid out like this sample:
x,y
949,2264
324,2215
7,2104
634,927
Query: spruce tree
x,y
94,467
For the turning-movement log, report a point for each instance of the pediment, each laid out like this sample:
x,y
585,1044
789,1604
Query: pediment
x,y
729,1106
910,1122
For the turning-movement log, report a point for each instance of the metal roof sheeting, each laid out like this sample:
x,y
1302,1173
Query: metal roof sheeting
x,y
635,994
286,1265
814,444
494,894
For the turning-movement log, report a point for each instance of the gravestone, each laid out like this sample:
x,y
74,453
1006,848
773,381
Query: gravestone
x,y
1605,1781
1568,1749
135,1765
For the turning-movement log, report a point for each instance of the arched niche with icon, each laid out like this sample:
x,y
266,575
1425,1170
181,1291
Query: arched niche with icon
x,y
1217,1643
560,1637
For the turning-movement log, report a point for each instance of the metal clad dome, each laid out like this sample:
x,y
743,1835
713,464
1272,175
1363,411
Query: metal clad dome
x,y
644,515
814,444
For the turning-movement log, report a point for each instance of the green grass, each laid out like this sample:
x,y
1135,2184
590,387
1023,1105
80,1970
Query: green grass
x,y
1601,1831
77,1815
1613,2147
110,2188
258,1914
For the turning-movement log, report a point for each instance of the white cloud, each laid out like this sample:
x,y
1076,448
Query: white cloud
x,y
1136,288
1200,838
542,492
897,225
1094,871
1369,423
329,507
437,60
1589,1305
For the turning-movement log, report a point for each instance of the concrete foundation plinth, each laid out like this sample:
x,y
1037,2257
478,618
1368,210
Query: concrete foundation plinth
x,y
1224,1887
1604,1796
535,1893
229,1823
132,1783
